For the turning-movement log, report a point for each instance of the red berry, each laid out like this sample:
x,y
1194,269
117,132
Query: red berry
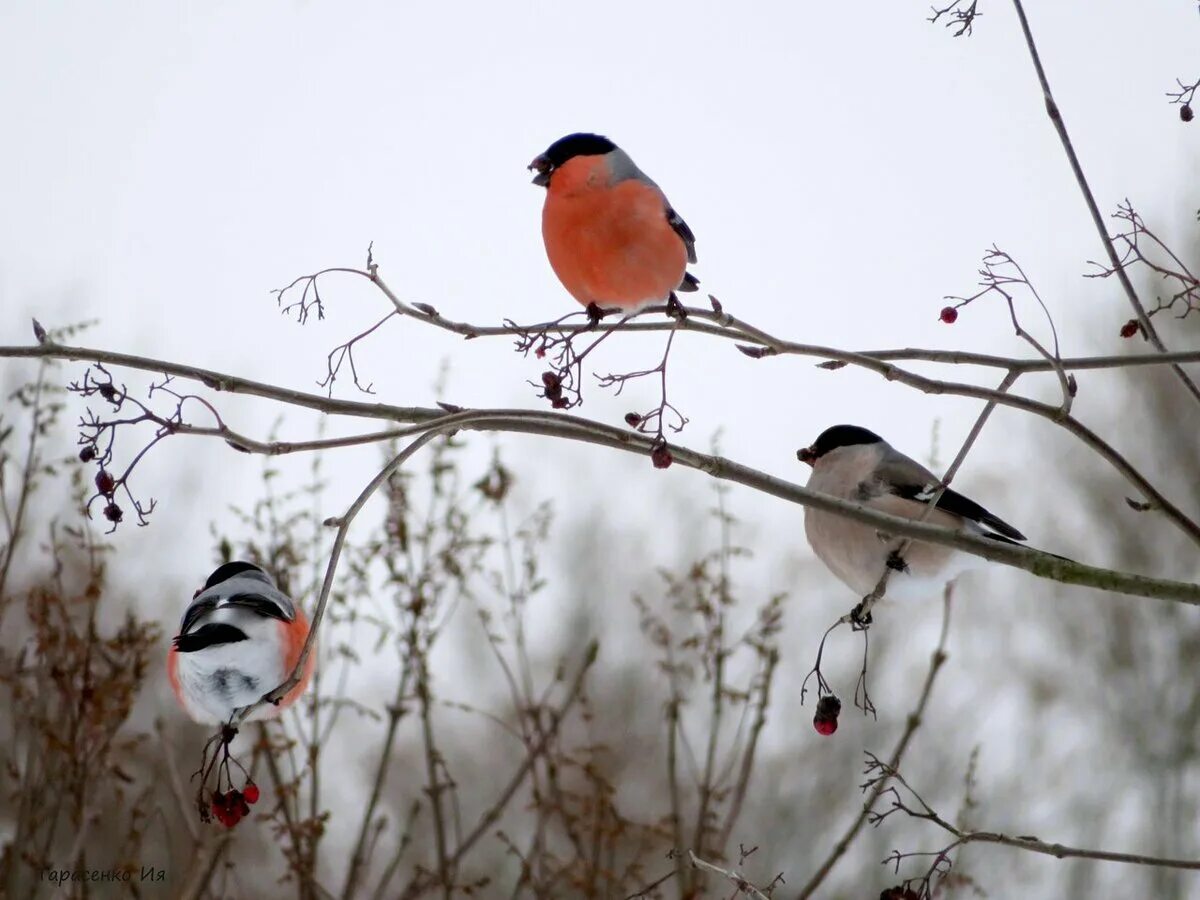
x,y
87,454
550,381
113,513
949,315
1129,329
104,482
251,793
1185,113
633,420
661,456
540,352
825,727
826,718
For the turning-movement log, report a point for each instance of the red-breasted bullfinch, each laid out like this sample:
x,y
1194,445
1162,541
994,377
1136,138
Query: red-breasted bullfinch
x,y
613,239
855,464
240,637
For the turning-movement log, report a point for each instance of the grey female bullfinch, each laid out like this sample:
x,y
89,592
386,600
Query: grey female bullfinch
x,y
858,465
239,638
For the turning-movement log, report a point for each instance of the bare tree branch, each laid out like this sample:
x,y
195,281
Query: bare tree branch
x,y
884,778
1060,126
561,425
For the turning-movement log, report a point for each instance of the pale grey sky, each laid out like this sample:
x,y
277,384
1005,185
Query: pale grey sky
x,y
842,165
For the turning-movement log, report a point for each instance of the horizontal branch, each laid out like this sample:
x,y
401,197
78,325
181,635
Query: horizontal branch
x,y
884,772
721,324
561,425
1070,363
1061,851
222,382
770,345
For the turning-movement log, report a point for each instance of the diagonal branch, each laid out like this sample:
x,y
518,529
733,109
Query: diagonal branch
x,y
343,527
570,427
1060,126
222,382
863,611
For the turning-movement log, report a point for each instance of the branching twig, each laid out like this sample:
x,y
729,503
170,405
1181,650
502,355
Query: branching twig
x,y
959,17
911,724
741,883
1110,250
884,773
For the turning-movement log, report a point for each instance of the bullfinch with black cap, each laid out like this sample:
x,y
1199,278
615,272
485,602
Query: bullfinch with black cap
x,y
852,463
613,239
240,637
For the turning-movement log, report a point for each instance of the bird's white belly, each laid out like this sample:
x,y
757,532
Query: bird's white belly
x,y
222,678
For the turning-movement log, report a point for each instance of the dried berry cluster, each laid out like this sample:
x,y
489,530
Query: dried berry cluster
x,y
230,807
552,390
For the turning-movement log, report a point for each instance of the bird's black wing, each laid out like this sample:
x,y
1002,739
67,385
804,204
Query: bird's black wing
x,y
195,611
953,502
258,603
681,228
207,636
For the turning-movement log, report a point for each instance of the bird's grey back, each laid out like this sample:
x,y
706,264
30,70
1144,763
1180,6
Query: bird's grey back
x,y
253,582
898,469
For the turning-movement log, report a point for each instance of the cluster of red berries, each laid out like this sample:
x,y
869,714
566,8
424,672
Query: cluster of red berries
x,y
829,708
553,390
234,805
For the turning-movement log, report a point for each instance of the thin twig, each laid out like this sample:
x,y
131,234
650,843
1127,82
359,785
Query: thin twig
x,y
912,723
493,813
744,886
887,772
1060,126
343,527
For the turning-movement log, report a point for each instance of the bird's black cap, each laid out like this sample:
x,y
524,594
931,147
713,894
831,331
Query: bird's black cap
x,y
227,571
578,144
837,436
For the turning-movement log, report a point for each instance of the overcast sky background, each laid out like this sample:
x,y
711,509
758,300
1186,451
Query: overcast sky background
x,y
842,165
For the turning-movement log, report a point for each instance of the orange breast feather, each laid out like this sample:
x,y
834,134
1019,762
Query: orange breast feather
x,y
611,246
294,634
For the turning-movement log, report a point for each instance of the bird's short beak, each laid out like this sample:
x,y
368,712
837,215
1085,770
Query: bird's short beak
x,y
542,165
806,455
